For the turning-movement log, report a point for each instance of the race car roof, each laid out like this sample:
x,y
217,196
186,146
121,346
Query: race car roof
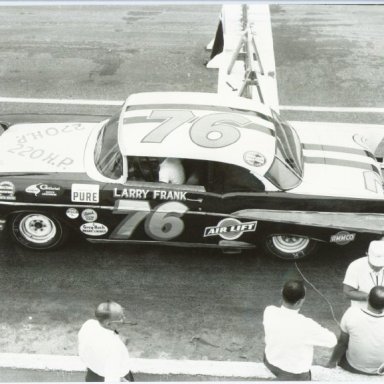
x,y
200,126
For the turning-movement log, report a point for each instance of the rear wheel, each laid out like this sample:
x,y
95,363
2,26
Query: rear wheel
x,y
37,230
290,247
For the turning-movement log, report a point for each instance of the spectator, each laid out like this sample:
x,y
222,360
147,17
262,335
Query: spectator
x,y
290,336
360,348
365,273
100,347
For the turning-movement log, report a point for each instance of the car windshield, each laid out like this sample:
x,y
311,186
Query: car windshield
x,y
108,159
286,171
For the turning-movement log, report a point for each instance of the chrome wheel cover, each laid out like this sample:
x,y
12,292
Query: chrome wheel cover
x,y
37,228
290,244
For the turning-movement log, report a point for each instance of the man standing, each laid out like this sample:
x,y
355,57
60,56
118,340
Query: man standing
x,y
290,336
100,347
360,348
365,273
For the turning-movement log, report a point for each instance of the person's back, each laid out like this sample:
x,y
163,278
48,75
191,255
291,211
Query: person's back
x,y
100,347
290,336
366,339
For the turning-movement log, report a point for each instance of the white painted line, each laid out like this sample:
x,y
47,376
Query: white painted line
x,y
331,109
302,108
60,101
173,367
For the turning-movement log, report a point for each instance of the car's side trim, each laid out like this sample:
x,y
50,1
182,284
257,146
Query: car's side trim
x,y
226,245
348,221
336,148
341,163
56,205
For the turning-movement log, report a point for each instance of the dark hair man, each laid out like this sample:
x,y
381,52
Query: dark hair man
x,y
100,347
360,348
290,336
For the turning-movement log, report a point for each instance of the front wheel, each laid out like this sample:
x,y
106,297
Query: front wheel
x,y
290,247
37,230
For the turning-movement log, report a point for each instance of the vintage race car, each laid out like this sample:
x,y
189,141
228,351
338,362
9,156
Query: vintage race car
x,y
251,178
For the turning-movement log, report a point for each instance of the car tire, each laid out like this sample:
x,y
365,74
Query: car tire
x,y
36,230
290,247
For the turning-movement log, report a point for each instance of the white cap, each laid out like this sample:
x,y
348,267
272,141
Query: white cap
x,y
376,253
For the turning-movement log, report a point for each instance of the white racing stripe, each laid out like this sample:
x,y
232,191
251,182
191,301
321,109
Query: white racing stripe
x,y
302,108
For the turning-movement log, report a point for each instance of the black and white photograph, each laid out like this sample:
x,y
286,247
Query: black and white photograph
x,y
191,191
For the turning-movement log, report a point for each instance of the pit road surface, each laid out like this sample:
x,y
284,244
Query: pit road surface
x,y
194,304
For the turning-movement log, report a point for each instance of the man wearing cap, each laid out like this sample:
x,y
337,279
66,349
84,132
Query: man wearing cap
x,y
101,348
290,337
360,348
365,273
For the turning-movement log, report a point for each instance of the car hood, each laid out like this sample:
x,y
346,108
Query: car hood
x,y
44,147
338,161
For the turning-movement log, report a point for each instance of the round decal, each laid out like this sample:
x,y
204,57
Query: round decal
x,y
72,213
361,140
255,159
94,229
343,238
89,215
233,229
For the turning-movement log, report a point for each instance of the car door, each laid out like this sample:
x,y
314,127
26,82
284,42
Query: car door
x,y
154,212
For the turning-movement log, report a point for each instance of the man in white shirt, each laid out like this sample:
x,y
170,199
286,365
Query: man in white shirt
x,y
100,347
365,273
360,348
171,171
290,336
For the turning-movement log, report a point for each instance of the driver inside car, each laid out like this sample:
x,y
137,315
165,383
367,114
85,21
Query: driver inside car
x,y
171,170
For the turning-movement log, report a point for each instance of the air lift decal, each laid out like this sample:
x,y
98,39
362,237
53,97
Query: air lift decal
x,y
230,229
156,194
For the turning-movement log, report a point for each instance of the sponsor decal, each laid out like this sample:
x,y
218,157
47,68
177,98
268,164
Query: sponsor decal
x,y
46,190
255,159
342,238
37,154
94,229
49,132
7,191
72,213
156,194
89,215
230,229
85,193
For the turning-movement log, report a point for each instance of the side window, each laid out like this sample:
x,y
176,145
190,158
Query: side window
x,y
227,178
167,170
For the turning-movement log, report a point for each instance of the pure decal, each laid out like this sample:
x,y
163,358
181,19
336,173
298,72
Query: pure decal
x,y
85,193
